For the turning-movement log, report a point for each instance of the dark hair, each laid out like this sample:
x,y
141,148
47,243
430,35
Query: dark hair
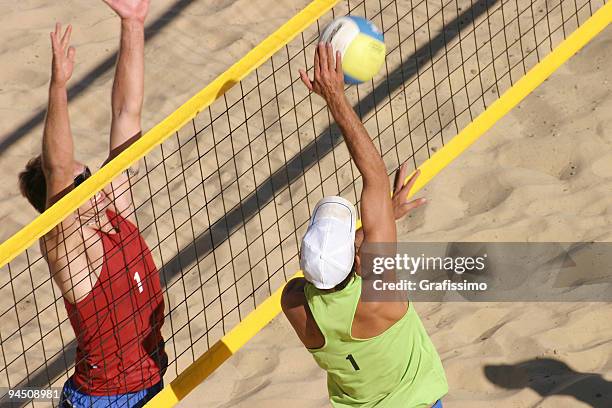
x,y
346,280
33,185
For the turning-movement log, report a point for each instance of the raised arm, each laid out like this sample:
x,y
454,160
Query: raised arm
x,y
377,215
127,95
57,147
128,86
63,246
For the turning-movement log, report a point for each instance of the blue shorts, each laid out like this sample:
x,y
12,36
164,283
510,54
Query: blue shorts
x,y
73,398
438,404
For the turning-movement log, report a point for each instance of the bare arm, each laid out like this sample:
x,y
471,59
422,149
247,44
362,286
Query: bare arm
x,y
378,222
401,205
63,246
127,95
57,147
128,87
295,308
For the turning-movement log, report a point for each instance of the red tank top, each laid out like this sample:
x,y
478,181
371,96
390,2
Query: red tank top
x,y
118,324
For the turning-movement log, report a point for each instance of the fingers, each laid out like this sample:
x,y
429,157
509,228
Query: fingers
x,y
397,181
71,54
330,59
413,205
323,60
53,42
60,42
55,36
411,181
317,68
339,64
404,208
400,176
306,80
66,37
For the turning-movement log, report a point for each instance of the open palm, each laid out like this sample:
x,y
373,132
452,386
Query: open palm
x,y
63,55
130,9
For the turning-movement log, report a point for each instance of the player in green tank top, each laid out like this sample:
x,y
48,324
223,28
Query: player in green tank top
x,y
376,354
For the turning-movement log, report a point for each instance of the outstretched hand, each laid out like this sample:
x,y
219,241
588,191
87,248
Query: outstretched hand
x,y
328,79
401,205
62,65
135,10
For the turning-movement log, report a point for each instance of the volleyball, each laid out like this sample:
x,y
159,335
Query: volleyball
x,y
361,45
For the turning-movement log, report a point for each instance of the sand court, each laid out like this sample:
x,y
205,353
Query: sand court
x,y
224,203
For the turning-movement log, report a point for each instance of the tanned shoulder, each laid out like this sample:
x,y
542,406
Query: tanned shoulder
x,y
295,307
293,297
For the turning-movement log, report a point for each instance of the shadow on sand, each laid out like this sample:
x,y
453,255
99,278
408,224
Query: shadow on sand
x,y
549,377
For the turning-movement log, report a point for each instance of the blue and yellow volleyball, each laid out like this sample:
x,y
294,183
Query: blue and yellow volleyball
x,y
361,44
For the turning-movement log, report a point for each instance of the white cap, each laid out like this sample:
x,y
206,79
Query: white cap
x,y
328,247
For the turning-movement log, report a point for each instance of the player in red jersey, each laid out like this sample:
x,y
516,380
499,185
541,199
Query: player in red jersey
x,y
96,256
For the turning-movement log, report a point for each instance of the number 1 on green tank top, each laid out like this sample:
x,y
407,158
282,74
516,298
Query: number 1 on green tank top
x,y
353,362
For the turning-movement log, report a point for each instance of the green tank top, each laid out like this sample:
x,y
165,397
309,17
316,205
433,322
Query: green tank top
x,y
399,368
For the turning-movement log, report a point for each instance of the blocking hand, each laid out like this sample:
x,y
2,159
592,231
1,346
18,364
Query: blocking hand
x,y
62,65
135,10
328,79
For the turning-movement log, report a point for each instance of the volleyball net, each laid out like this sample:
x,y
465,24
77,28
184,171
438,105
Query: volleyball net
x,y
228,180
